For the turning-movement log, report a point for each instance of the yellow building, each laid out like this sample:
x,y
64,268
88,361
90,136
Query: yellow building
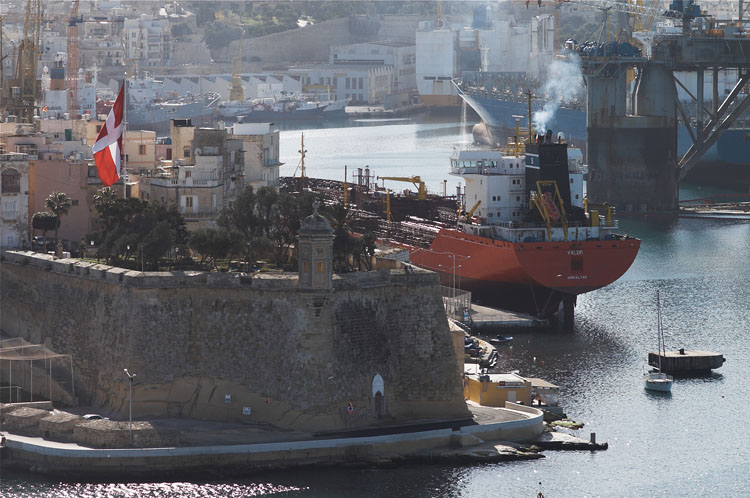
x,y
496,389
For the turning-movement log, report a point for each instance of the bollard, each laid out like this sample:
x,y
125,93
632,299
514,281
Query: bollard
x,y
593,438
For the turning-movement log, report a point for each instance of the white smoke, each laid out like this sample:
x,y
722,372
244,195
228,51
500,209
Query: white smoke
x,y
564,83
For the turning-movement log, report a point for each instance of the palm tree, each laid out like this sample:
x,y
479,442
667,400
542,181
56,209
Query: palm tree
x,y
58,204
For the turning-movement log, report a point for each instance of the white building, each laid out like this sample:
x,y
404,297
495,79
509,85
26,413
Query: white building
x,y
261,146
14,200
436,64
400,55
357,83
148,40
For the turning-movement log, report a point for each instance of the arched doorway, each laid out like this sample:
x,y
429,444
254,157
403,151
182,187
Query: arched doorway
x,y
378,396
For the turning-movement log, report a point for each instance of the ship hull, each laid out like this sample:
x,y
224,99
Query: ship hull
x,y
525,277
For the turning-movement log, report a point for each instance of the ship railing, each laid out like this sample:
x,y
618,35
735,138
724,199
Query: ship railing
x,y
475,170
516,225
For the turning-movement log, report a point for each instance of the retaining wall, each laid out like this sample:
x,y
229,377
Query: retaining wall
x,y
228,346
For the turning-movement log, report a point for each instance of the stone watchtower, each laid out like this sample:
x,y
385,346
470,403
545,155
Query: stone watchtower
x,y
315,250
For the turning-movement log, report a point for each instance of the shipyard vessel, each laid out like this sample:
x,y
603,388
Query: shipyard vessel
x,y
529,241
497,98
292,108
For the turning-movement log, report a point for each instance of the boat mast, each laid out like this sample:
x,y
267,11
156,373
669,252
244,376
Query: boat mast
x,y
658,327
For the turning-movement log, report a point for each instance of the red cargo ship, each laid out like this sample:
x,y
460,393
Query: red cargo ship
x,y
529,241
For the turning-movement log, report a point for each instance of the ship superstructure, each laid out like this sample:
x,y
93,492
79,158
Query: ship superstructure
x,y
529,240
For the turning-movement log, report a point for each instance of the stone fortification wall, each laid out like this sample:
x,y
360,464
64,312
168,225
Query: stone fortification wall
x,y
309,44
227,346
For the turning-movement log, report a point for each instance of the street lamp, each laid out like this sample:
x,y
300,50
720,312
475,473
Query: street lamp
x,y
130,378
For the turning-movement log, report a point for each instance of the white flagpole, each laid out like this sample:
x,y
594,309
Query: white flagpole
x,y
124,128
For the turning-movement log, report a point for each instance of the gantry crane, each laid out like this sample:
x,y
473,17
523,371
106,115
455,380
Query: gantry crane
x,y
417,181
72,65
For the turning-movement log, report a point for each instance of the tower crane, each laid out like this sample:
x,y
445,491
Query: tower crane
x,y
72,66
25,87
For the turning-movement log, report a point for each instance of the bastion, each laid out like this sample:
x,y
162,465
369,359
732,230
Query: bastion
x,y
355,350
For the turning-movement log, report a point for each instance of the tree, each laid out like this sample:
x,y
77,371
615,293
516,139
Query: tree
x,y
45,222
344,245
149,229
211,244
58,204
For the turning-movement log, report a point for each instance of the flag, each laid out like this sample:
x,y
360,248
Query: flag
x,y
108,144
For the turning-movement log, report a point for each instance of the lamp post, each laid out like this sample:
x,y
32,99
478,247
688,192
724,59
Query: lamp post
x,y
130,378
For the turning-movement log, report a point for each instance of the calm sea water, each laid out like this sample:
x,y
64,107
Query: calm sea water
x,y
691,442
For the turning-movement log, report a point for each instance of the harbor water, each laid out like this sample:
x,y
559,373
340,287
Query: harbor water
x,y
691,442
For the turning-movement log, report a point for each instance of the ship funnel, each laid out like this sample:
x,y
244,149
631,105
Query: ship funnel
x,y
560,137
548,137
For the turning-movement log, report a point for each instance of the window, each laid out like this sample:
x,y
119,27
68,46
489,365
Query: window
x,y
360,83
494,198
188,202
306,267
571,180
186,152
74,202
320,267
98,128
518,198
92,171
348,83
335,81
11,181
188,174
142,149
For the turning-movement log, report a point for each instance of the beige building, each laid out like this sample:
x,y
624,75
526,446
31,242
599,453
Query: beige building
x,y
206,172
261,146
14,200
140,150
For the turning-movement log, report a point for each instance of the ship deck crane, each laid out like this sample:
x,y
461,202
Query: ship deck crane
x,y
417,181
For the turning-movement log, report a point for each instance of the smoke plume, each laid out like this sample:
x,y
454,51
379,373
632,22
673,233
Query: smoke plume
x,y
564,82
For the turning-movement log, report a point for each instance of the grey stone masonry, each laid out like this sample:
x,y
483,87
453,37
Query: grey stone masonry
x,y
239,347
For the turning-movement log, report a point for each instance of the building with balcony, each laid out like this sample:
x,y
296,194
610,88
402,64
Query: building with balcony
x,y
148,40
261,153
14,200
205,179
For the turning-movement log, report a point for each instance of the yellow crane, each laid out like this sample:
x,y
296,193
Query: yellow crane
x,y
415,180
466,217
237,93
72,69
24,88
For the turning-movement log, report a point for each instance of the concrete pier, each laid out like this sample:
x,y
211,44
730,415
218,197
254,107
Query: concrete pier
x,y
686,362
486,319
